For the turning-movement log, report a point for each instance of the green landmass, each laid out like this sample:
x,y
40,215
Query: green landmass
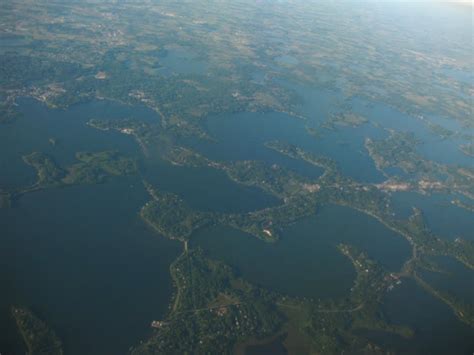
x,y
274,179
372,200
314,132
441,131
92,168
171,217
459,203
345,119
38,337
295,152
399,150
267,224
106,58
49,173
212,310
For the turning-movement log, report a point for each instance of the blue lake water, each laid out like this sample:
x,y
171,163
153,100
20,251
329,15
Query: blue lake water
x,y
443,218
433,147
306,262
455,278
437,330
250,131
38,124
207,189
82,259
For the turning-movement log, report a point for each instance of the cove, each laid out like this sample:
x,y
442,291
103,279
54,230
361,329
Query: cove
x,y
242,136
206,189
439,213
437,330
80,257
306,262
82,260
37,124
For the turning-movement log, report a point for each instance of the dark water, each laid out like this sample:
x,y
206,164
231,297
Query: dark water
x,y
80,256
250,131
207,189
82,259
242,137
38,124
437,330
443,218
455,278
306,262
274,347
433,147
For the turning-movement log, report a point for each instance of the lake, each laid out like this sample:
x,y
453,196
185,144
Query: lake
x,y
439,213
82,260
306,262
250,131
80,256
437,330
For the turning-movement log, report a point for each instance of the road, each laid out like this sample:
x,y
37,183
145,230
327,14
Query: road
x,y
355,309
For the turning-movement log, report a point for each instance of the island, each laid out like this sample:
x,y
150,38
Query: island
x,y
91,168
